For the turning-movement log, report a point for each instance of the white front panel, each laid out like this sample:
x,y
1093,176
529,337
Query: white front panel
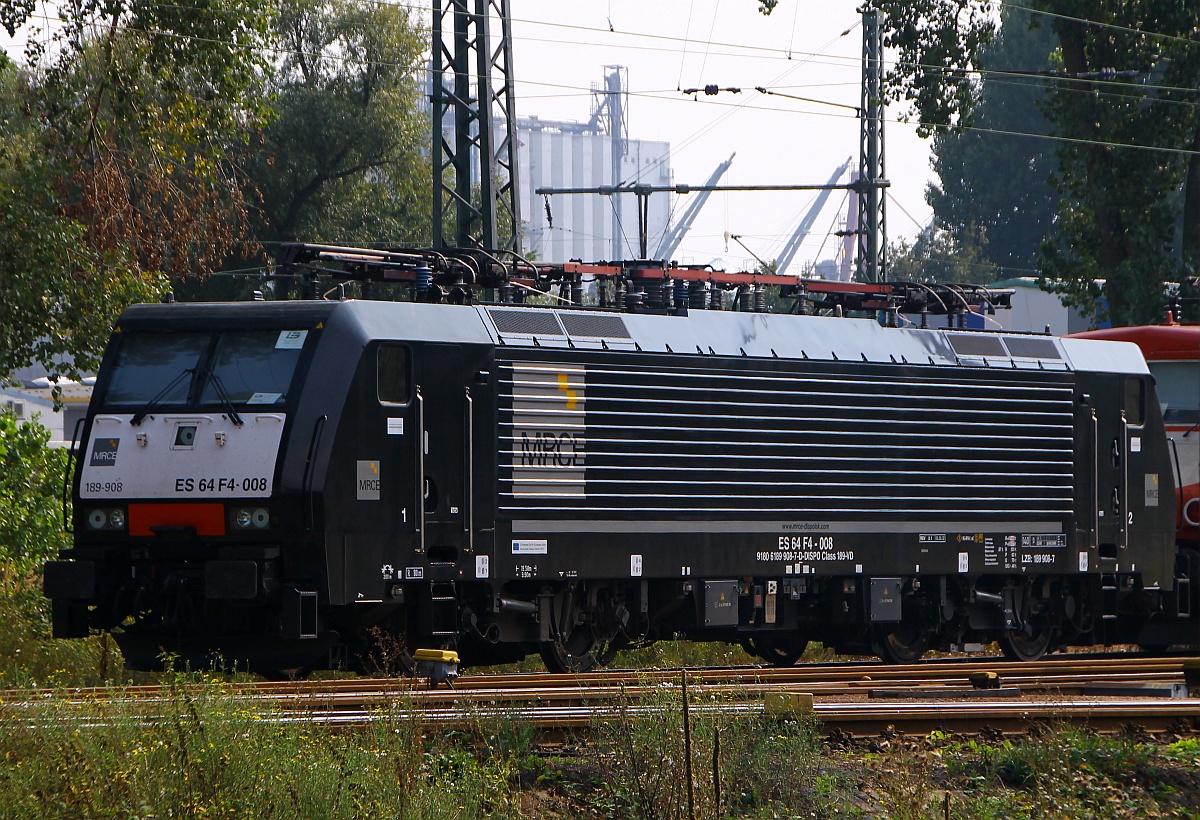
x,y
181,455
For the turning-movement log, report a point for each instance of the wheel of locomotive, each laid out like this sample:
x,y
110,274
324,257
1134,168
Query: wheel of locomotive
x,y
901,643
580,642
578,653
779,651
1022,645
1156,649
1041,623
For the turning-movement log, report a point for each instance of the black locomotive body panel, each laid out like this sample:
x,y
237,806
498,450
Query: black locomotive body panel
x,y
709,466
503,479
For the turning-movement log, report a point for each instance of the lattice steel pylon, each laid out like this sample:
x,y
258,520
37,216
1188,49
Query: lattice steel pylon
x,y
872,262
475,184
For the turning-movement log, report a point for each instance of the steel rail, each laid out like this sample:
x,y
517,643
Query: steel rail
x,y
1046,673
555,703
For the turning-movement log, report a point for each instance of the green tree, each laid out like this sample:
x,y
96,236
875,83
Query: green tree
x,y
992,180
140,102
32,532
31,525
114,165
943,256
1130,74
344,158
31,476
60,295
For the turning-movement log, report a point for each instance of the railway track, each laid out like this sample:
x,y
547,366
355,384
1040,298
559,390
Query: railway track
x,y
860,699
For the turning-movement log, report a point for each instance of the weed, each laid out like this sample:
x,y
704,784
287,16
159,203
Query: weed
x,y
741,763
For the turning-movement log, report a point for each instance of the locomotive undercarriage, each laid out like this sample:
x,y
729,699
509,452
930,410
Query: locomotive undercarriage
x,y
579,625
164,613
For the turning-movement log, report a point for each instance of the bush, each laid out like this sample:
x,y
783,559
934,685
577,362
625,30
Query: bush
x,y
32,532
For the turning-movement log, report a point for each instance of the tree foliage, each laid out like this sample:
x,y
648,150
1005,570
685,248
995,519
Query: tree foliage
x,y
994,180
31,475
140,102
344,157
114,170
944,256
60,294
1124,108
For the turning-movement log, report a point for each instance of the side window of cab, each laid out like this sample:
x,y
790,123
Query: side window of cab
x,y
393,370
1135,401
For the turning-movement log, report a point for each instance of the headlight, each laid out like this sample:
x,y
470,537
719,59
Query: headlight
x,y
248,517
110,519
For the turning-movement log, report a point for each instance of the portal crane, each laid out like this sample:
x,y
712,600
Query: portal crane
x,y
802,230
672,238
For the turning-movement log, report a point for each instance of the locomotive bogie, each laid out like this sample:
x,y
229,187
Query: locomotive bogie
x,y
505,481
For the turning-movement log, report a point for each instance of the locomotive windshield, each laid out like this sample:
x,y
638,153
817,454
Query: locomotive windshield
x,y
251,367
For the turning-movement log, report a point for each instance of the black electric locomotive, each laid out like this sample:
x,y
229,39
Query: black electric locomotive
x,y
323,484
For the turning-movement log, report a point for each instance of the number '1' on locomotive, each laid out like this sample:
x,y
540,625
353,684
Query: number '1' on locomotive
x,y
317,484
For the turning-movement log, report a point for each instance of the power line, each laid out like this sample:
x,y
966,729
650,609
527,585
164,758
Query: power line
x,y
943,126
741,105
1099,24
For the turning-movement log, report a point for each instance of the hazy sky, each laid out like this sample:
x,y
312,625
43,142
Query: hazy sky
x,y
804,49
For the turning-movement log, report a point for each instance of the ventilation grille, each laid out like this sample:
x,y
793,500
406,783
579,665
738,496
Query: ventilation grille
x,y
527,322
814,440
597,326
972,345
1025,348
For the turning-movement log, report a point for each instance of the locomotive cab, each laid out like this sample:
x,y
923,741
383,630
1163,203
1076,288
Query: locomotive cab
x,y
254,492
182,512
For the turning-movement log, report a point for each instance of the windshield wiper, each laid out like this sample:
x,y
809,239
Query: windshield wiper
x,y
223,395
140,415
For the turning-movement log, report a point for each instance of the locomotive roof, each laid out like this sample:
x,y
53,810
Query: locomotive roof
x,y
699,332
726,333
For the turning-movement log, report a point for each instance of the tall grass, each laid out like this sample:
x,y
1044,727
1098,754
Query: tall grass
x,y
199,752
657,760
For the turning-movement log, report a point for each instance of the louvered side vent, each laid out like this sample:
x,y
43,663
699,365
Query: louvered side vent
x,y
594,325
1023,347
970,344
815,440
526,322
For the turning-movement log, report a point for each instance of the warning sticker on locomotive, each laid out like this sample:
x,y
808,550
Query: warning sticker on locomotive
x,y
549,430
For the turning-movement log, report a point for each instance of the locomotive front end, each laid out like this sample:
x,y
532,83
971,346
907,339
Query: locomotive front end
x,y
181,526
